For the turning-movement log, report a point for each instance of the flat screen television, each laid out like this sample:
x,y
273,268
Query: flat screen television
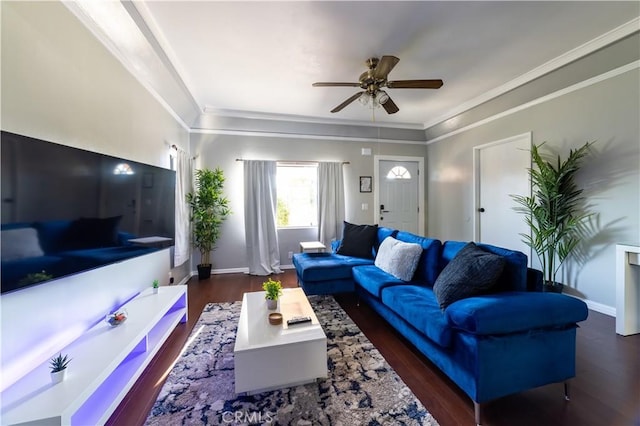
x,y
66,210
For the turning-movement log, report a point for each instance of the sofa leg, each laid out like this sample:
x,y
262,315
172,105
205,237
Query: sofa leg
x,y
566,391
476,409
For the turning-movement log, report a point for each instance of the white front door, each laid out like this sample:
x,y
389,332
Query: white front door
x,y
398,195
501,171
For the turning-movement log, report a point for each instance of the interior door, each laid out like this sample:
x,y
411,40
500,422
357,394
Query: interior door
x,y
398,195
502,171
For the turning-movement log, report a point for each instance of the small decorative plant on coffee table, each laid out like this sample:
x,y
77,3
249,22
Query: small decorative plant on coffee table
x,y
273,291
58,367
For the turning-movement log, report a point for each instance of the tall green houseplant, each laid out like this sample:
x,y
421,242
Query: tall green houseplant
x,y
555,212
209,209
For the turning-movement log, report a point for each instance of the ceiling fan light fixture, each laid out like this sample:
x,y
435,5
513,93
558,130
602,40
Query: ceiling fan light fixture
x,y
382,97
364,99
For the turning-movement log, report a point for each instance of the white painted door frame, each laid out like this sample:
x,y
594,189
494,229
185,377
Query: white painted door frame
x,y
476,180
377,177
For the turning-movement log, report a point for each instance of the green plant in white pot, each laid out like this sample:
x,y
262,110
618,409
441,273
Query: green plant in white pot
x,y
273,291
209,209
58,366
555,212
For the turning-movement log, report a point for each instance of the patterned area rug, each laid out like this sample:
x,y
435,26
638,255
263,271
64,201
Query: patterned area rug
x,y
361,388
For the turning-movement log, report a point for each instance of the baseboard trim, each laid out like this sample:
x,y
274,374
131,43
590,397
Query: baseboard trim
x,y
232,271
599,307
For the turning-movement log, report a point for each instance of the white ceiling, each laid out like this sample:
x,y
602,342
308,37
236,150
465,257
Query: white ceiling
x,y
260,58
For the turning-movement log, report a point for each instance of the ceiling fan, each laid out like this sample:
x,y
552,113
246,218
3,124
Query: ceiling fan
x,y
373,80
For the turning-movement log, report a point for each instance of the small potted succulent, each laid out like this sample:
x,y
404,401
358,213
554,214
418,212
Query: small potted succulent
x,y
273,290
58,367
156,285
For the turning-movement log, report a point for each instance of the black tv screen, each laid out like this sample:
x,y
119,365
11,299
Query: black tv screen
x,y
66,210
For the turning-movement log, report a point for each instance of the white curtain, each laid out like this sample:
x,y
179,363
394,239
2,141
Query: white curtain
x,y
184,185
330,202
260,200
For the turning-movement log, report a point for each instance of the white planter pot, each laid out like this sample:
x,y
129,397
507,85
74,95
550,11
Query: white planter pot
x,y
58,376
155,290
272,304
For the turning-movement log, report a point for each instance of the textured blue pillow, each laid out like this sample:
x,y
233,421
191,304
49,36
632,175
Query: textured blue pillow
x,y
472,271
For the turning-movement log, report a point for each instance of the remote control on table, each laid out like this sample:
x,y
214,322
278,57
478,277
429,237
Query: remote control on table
x,y
298,320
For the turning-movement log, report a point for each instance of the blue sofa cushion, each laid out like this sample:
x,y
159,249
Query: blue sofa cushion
x,y
325,266
510,312
418,306
374,279
358,240
514,276
398,258
428,266
383,233
472,271
52,235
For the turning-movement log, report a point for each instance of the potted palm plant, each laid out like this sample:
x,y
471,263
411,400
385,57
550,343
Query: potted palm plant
x,y
209,209
555,212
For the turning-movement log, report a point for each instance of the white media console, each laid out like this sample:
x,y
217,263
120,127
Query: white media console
x,y
105,363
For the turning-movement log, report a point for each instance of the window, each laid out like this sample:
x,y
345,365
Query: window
x,y
122,169
297,188
398,172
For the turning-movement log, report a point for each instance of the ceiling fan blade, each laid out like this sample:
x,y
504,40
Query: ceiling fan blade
x,y
415,84
390,106
385,65
329,84
347,102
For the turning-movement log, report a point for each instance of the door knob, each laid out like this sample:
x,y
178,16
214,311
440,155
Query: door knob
x,y
481,209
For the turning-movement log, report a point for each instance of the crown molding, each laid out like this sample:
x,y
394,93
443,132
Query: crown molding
x,y
302,136
586,83
585,49
142,39
216,112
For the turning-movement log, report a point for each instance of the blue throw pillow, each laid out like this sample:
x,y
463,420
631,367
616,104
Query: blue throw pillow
x,y
471,272
358,240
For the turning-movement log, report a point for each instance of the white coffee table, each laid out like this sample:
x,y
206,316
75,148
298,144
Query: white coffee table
x,y
268,357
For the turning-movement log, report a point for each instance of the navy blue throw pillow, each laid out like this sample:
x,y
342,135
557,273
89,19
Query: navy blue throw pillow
x,y
471,272
358,240
93,232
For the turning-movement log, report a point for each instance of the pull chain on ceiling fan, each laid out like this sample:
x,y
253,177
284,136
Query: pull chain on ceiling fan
x,y
373,80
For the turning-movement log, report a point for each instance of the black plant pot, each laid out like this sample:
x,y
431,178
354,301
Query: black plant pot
x,y
552,287
204,272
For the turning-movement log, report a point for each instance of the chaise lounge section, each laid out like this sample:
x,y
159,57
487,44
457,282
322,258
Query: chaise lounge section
x,y
492,341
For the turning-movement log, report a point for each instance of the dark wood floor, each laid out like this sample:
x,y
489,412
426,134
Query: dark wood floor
x,y
606,390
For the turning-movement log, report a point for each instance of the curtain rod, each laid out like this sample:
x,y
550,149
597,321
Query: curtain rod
x,y
174,146
293,161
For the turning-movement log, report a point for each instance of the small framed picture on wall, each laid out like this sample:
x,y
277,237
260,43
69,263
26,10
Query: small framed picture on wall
x,y
365,183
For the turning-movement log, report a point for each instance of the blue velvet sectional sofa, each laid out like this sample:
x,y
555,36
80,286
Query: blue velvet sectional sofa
x,y
61,247
503,341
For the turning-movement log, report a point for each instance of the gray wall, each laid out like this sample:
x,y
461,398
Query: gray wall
x,y
214,150
60,84
606,112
